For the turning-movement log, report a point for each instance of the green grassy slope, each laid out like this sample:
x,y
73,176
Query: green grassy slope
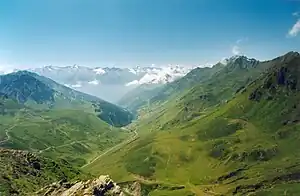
x,y
208,88
179,86
145,94
248,144
74,135
45,133
208,77
210,93
71,134
23,173
139,96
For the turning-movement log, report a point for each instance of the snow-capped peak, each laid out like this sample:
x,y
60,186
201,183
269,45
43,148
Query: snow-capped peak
x,y
160,75
99,71
94,82
225,61
131,70
50,67
75,66
151,74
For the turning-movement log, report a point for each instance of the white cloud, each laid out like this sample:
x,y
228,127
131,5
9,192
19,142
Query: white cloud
x,y
68,85
206,64
241,40
236,50
293,32
296,14
76,85
134,82
94,82
161,75
132,71
224,61
99,71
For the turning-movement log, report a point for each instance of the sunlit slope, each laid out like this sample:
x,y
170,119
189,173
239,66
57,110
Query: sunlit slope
x,y
247,145
71,134
145,95
203,90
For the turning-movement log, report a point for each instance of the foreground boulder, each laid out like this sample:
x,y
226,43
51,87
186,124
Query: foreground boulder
x,y
102,186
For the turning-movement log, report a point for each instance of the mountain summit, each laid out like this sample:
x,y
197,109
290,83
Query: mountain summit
x,y
111,83
24,86
34,90
239,60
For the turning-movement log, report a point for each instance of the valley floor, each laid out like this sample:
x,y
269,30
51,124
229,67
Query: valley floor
x,y
60,134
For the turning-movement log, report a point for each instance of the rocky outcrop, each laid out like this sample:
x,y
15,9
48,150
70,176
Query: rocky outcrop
x,y
23,172
255,95
102,186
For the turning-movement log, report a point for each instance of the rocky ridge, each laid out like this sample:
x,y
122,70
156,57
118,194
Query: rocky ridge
x,y
23,172
102,186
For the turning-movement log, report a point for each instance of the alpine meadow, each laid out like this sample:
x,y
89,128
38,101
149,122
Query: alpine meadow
x,y
149,98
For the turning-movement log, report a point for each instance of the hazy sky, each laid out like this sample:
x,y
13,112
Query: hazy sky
x,y
144,32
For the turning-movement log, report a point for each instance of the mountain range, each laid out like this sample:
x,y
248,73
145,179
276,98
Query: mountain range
x,y
32,89
232,132
110,83
145,94
48,118
229,129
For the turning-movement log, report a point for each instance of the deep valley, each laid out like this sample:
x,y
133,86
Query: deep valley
x,y
193,136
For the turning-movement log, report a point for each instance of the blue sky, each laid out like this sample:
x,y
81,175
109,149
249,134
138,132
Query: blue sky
x,y
144,32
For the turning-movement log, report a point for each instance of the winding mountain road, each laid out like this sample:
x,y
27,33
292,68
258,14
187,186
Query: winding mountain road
x,y
132,138
63,145
7,135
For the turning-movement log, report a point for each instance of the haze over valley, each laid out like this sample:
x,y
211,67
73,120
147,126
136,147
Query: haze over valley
x,y
149,98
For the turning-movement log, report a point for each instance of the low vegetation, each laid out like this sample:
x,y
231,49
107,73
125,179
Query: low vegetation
x,y
230,134
246,144
70,134
23,173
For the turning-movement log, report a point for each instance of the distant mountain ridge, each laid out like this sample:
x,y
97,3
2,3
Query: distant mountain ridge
x,y
23,86
234,133
191,79
34,90
104,75
111,83
229,129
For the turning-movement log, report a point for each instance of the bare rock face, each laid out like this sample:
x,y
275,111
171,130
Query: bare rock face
x,y
102,186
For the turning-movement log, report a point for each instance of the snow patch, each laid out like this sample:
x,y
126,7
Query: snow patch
x,y
68,85
134,82
132,71
224,61
99,71
94,82
77,85
160,75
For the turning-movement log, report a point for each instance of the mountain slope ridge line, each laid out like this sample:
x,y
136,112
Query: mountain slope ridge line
x,y
132,138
